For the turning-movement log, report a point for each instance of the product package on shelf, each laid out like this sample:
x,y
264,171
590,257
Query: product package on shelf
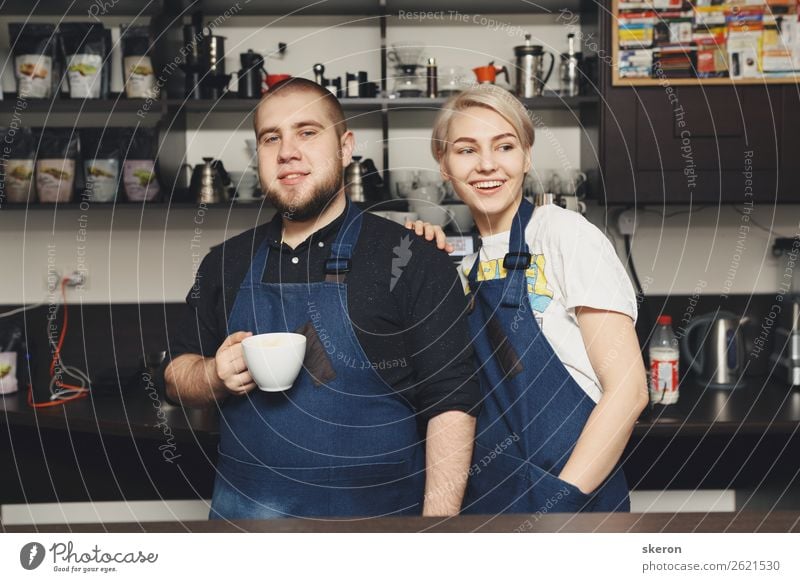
x,y
84,50
16,179
100,152
139,147
636,64
636,29
33,47
137,66
56,155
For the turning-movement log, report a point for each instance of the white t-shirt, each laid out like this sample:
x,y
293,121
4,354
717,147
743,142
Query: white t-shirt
x,y
573,264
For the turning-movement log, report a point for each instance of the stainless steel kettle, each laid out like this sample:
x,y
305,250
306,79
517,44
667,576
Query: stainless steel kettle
x,y
209,182
713,344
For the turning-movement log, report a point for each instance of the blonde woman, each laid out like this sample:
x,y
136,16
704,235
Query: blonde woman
x,y
552,316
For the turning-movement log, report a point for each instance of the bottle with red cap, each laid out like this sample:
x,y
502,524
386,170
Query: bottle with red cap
x,y
664,355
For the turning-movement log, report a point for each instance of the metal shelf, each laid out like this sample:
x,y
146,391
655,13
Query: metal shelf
x,y
85,8
233,105
66,105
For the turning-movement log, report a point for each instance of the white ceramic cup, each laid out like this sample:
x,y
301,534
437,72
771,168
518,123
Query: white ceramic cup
x,y
462,217
245,183
431,194
274,360
432,213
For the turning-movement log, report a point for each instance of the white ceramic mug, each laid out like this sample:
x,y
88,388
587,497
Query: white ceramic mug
x,y
431,194
246,185
274,360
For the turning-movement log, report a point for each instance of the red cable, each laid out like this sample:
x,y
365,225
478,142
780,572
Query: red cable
x,y
56,356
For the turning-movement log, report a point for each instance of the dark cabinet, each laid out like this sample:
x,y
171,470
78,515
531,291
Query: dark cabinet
x,y
790,145
680,144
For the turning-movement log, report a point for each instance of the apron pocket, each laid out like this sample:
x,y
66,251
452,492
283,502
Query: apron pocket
x,y
500,483
502,349
316,362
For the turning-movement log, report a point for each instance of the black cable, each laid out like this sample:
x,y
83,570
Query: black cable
x,y
757,225
631,266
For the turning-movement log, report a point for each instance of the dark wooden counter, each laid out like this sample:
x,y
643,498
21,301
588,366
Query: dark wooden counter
x,y
118,412
742,522
760,407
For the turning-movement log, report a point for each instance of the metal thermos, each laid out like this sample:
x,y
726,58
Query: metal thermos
x,y
569,69
531,78
251,75
354,180
432,76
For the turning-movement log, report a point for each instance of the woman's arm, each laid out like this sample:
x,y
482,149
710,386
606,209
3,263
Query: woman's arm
x,y
613,350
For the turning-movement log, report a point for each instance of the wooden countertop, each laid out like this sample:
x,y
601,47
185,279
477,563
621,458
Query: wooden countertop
x,y
742,522
760,407
126,412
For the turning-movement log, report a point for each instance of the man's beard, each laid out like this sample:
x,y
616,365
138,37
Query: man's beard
x,y
319,200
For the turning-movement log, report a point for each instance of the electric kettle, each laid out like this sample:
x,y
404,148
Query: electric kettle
x,y
713,345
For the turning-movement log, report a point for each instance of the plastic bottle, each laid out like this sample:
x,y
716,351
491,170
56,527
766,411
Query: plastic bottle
x,y
664,355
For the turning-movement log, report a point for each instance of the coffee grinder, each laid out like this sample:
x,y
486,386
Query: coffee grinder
x,y
787,337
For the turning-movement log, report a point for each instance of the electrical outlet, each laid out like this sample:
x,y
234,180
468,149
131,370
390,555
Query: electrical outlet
x,y
627,221
75,279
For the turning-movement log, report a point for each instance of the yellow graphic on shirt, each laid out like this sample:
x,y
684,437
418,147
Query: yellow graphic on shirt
x,y
539,294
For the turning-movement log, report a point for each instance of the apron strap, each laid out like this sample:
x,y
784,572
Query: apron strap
x,y
518,258
260,258
340,261
516,261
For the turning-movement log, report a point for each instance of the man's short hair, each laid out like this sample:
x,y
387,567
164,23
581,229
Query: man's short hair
x,y
301,85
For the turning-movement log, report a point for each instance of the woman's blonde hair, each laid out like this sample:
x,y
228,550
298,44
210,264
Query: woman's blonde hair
x,y
487,96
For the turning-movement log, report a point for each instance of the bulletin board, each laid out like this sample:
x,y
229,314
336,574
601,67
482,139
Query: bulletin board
x,y
714,42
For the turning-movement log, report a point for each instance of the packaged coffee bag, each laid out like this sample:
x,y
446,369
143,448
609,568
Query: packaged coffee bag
x,y
137,67
83,46
100,151
19,149
55,165
33,46
139,164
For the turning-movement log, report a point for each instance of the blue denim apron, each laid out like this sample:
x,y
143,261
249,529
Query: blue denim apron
x,y
340,442
533,410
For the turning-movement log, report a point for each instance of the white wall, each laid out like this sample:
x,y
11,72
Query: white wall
x,y
714,249
147,257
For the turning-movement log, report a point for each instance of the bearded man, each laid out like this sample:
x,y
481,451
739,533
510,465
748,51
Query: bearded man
x,y
380,420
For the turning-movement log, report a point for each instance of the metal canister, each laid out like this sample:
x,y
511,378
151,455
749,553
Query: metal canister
x,y
569,69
